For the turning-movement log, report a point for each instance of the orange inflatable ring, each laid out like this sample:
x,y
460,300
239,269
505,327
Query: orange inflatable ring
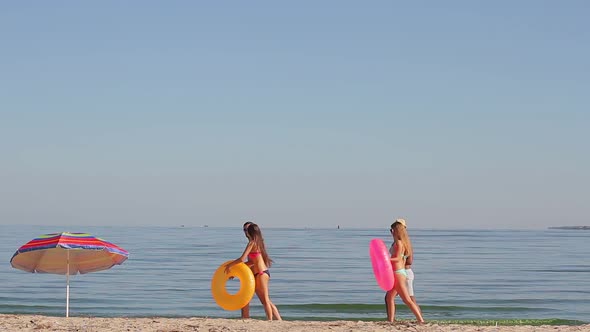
x,y
238,300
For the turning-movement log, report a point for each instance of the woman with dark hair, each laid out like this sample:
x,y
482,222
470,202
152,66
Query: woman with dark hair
x,y
260,262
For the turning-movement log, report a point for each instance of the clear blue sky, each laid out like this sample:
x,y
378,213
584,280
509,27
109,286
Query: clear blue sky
x,y
306,113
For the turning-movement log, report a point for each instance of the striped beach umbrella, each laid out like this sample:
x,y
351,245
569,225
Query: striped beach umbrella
x,y
69,254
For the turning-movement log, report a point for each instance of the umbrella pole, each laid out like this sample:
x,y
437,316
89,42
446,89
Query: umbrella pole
x,y
68,286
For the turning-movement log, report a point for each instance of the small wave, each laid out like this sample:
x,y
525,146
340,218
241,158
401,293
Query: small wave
x,y
512,322
560,270
335,307
4,308
370,308
477,322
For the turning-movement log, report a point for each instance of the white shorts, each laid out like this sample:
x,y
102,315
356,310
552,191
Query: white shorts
x,y
410,281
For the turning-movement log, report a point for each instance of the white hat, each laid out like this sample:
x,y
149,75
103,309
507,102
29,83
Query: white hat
x,y
401,221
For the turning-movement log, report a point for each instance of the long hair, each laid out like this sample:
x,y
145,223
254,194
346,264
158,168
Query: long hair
x,y
256,235
402,235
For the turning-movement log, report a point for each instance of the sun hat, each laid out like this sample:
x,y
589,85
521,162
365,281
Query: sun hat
x,y
401,221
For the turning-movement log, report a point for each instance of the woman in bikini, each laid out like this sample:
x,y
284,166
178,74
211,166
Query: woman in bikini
x,y
402,249
257,256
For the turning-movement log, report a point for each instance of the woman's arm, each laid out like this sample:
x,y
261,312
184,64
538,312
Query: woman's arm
x,y
241,258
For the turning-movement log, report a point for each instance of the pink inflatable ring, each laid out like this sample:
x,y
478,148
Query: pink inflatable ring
x,y
381,264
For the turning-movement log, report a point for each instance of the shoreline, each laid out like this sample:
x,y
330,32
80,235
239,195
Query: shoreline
x,y
39,323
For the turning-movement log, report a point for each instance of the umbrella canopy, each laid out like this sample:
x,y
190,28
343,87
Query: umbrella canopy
x,y
67,253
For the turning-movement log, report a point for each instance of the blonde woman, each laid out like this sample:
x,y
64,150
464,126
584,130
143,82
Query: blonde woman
x,y
402,249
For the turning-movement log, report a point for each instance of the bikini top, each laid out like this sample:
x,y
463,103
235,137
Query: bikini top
x,y
391,252
253,254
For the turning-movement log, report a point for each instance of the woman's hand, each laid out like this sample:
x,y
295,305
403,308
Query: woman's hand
x,y
227,268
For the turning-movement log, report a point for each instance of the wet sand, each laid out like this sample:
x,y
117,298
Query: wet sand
x,y
44,323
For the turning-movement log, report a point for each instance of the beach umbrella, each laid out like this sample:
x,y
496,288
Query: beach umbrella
x,y
69,254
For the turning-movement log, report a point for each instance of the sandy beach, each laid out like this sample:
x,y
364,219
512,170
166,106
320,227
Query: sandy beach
x,y
45,323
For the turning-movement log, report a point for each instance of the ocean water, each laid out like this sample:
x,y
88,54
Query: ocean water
x,y
538,276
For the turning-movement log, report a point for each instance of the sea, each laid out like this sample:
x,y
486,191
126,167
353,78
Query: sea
x,y
462,275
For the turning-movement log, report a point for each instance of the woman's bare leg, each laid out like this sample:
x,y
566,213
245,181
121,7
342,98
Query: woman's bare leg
x,y
275,312
400,286
390,305
246,311
416,303
262,292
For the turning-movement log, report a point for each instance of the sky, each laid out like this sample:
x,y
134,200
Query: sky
x,y
454,114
